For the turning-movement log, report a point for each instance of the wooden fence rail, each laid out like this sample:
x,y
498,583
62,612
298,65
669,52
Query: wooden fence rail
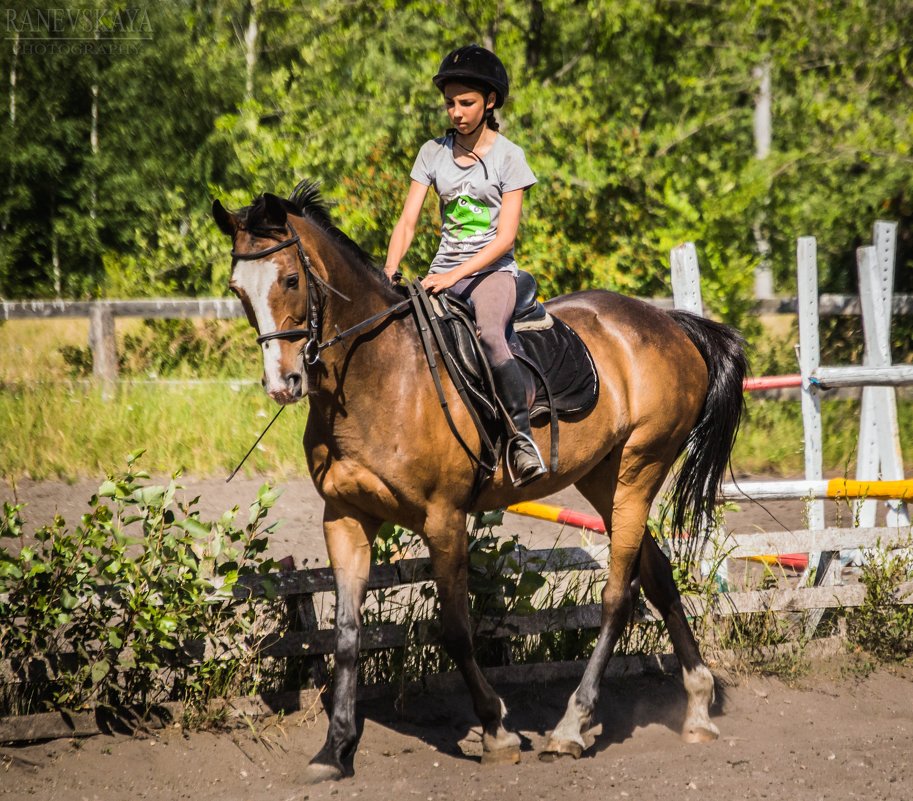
x,y
167,308
301,583
102,313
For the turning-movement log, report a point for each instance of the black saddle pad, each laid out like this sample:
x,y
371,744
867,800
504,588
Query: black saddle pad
x,y
566,365
549,350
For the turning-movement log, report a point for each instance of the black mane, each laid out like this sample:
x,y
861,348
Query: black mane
x,y
306,198
308,203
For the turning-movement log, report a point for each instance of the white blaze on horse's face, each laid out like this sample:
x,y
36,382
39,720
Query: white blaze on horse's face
x,y
283,364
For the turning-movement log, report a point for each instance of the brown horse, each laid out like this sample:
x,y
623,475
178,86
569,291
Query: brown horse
x,y
378,447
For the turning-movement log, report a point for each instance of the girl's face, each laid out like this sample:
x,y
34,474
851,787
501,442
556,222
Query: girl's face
x,y
466,107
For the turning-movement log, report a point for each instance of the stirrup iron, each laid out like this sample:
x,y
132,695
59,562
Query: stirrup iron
x,y
512,444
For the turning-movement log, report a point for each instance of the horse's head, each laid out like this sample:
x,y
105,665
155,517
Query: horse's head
x,y
297,274
270,283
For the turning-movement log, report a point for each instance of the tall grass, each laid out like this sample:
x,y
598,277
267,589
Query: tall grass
x,y
52,426
55,424
66,430
771,439
32,350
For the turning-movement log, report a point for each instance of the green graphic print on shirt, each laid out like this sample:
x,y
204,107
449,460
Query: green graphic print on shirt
x,y
465,216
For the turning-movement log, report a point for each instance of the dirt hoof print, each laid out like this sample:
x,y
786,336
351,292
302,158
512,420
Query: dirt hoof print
x,y
503,756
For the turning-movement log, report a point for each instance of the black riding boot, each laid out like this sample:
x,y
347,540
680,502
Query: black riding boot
x,y
524,461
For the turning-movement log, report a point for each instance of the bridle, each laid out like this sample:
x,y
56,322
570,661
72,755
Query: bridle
x,y
317,290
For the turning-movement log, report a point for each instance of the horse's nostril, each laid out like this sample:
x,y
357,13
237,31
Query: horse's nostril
x,y
293,383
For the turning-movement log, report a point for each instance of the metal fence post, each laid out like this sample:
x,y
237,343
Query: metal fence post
x,y
809,361
879,441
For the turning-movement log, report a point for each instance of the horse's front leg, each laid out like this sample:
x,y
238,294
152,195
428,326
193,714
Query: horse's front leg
x,y
449,549
348,535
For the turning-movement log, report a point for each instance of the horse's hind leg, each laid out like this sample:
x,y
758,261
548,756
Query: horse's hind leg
x,y
621,489
659,587
449,550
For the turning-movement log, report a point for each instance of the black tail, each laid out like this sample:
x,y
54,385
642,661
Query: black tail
x,y
710,442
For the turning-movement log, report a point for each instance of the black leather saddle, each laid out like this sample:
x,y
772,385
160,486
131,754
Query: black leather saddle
x,y
556,359
529,313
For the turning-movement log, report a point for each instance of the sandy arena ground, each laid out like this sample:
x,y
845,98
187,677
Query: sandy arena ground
x,y
835,736
838,733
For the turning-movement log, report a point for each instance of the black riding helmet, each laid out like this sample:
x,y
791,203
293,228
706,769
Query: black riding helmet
x,y
475,65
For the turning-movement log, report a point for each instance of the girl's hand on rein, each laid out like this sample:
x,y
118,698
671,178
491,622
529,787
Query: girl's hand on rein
x,y
437,282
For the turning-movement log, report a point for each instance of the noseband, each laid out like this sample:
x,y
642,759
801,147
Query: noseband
x,y
317,290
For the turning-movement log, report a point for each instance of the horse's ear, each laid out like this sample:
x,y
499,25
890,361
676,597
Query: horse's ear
x,y
274,210
227,222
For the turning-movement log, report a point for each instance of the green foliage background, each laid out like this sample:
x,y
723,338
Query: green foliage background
x,y
635,114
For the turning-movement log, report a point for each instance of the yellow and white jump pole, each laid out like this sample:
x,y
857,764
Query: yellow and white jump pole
x,y
821,490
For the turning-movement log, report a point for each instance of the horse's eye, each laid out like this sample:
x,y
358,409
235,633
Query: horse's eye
x,y
291,281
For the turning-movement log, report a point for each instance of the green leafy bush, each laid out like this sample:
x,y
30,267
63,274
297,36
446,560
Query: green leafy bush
x,y
843,340
882,625
141,602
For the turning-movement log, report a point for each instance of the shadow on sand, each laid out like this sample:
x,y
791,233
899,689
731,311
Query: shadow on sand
x,y
446,721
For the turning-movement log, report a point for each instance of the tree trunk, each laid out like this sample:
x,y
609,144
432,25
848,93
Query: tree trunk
x,y
55,262
534,34
763,125
763,135
93,147
250,49
13,64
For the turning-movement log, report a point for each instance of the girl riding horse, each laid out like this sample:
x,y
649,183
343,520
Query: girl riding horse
x,y
480,177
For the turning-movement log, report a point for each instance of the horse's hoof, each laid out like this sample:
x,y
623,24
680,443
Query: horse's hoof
x,y
555,749
700,734
502,756
321,772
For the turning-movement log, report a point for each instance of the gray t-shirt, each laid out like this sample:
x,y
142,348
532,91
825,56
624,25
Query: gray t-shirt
x,y
470,203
